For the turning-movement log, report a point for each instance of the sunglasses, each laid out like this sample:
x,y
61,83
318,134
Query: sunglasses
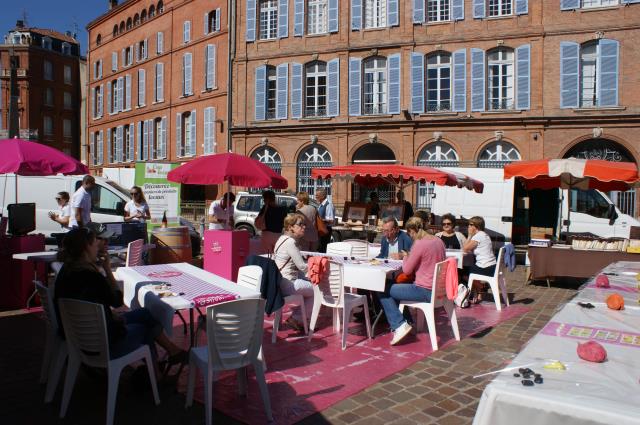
x,y
447,224
134,193
300,224
58,199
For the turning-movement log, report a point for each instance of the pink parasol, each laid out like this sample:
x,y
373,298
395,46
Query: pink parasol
x,y
34,159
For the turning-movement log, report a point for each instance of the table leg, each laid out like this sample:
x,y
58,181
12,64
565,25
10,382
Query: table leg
x,y
191,332
375,322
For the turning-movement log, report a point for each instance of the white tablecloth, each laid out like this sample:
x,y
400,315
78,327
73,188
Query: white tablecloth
x,y
585,393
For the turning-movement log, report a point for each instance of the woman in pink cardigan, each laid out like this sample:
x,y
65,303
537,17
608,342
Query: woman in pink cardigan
x,y
426,251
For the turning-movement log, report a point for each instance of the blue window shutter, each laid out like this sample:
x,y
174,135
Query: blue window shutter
x,y
356,15
333,15
298,18
478,9
355,104
458,10
109,97
522,7
477,80
261,93
569,4
460,80
569,74
333,88
418,11
283,18
392,13
523,77
608,72
250,33
179,150
192,133
282,91
218,17
163,138
109,158
417,83
296,90
127,79
395,76
139,140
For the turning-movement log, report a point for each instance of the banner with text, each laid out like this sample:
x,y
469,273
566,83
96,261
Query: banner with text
x,y
162,195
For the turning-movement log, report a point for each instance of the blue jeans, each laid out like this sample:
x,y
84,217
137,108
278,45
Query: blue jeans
x,y
142,329
401,292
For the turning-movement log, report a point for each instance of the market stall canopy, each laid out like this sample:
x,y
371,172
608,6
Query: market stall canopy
x,y
25,158
574,173
234,169
373,175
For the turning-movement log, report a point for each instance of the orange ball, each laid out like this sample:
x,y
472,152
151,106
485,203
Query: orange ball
x,y
615,302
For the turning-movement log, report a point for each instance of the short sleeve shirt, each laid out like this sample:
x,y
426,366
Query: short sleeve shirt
x,y
484,250
80,199
65,212
221,214
134,209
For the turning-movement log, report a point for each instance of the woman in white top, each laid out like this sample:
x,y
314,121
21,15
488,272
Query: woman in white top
x,y
137,208
64,213
480,244
293,267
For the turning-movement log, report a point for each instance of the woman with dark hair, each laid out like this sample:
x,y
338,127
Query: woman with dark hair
x,y
137,208
451,238
63,216
480,244
80,279
270,220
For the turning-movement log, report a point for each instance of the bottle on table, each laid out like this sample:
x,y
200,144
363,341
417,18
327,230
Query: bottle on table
x,y
164,220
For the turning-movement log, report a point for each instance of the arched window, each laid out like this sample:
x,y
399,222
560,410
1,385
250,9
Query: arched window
x,y
115,30
143,16
500,86
375,86
152,11
136,20
439,82
312,157
373,153
498,154
98,39
129,24
316,89
121,29
268,156
317,17
160,7
66,48
437,154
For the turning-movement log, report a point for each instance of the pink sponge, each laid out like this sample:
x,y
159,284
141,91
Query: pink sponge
x,y
602,281
591,351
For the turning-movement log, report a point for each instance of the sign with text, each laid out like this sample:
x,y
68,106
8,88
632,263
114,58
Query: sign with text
x,y
161,194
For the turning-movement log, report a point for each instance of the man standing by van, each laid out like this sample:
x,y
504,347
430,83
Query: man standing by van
x,y
326,213
81,203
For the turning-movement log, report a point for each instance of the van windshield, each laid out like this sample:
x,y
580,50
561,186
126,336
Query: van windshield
x,y
119,188
589,202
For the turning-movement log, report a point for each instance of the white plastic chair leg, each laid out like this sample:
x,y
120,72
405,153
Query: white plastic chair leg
x,y
49,351
264,391
367,320
336,320
276,326
431,323
453,318
503,290
69,382
112,390
208,395
152,376
55,369
495,290
346,314
317,303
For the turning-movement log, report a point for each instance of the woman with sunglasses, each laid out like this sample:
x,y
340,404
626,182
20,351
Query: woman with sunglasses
x,y
480,244
63,215
292,266
451,238
137,208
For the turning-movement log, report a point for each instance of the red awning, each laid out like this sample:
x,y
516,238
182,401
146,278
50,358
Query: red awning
x,y
372,175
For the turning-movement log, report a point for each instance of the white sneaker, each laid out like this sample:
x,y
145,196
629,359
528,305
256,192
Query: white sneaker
x,y
400,333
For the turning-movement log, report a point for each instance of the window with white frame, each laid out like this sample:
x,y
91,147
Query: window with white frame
x,y
48,96
438,10
66,49
114,61
498,154
186,31
375,13
268,19
141,87
127,56
66,129
48,125
271,92
500,7
68,100
500,79
269,157
159,86
113,145
375,86
439,82
67,74
588,80
316,89
185,134
586,4
159,43
97,105
46,43
317,17
142,50
157,138
99,148
187,81
313,157
115,97
48,71
97,69
128,142
212,21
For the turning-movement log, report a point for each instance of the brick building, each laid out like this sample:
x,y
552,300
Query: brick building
x,y
435,82
157,89
48,87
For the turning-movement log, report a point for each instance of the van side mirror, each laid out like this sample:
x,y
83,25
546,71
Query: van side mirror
x,y
120,208
612,215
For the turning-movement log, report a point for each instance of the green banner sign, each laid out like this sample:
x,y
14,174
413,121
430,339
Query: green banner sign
x,y
162,195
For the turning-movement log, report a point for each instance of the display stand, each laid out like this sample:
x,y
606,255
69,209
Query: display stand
x,y
17,275
225,251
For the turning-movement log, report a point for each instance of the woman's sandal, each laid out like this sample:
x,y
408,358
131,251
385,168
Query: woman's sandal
x,y
180,358
294,324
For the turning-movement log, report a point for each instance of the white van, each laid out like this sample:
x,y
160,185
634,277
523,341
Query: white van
x,y
108,198
510,211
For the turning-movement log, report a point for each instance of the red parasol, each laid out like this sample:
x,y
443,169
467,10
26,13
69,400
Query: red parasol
x,y
26,158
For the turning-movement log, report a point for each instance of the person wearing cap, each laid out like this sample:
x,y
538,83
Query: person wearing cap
x,y
102,235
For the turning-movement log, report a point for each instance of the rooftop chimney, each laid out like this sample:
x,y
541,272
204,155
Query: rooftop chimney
x,y
112,4
19,23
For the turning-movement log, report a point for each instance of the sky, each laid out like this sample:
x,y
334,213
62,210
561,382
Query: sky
x,y
58,15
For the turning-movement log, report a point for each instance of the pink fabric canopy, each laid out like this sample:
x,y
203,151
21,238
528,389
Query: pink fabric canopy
x,y
237,170
35,159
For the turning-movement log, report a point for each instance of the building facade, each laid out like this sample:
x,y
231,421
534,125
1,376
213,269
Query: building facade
x,y
47,88
157,88
473,83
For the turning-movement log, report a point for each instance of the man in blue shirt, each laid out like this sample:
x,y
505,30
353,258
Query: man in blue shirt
x,y
394,241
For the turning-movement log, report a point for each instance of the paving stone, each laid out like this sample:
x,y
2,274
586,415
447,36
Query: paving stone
x,y
383,403
402,396
435,411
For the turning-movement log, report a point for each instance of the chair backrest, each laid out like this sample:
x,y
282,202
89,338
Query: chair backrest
x,y
359,248
56,266
250,277
85,329
234,332
46,299
134,253
332,285
500,262
439,287
341,249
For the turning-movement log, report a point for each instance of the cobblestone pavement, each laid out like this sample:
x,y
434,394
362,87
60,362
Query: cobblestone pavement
x,y
439,389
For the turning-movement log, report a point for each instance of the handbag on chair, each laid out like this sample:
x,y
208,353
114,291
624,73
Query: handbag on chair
x,y
321,226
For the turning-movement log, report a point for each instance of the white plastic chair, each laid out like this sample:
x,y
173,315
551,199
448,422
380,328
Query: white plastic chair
x,y
330,293
55,351
134,253
359,248
340,249
234,341
251,277
497,282
86,333
438,299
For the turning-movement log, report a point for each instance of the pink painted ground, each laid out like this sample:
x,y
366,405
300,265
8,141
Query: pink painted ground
x,y
305,377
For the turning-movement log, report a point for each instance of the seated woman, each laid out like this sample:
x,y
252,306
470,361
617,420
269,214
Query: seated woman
x,y
426,251
80,279
480,244
293,267
451,238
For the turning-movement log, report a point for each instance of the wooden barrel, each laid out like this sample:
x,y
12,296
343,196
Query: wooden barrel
x,y
173,245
